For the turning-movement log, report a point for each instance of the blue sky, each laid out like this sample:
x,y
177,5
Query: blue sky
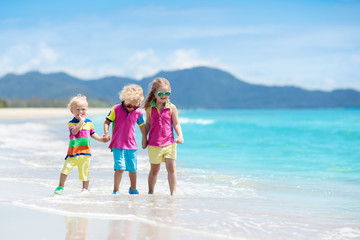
x,y
310,44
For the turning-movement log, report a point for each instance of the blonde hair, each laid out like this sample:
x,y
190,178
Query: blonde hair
x,y
132,93
155,85
76,99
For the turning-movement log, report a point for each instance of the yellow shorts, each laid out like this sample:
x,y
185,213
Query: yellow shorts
x,y
83,164
157,155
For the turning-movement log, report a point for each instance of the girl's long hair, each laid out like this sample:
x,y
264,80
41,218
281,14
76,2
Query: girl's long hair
x,y
155,85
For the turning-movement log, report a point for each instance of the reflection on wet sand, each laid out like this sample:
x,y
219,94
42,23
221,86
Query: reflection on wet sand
x,y
158,210
152,218
77,228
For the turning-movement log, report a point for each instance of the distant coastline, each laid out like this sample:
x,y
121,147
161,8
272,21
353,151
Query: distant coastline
x,y
195,88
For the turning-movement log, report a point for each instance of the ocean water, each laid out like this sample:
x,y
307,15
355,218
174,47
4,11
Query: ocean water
x,y
242,174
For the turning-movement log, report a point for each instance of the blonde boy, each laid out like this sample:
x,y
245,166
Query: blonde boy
x,y
124,116
78,154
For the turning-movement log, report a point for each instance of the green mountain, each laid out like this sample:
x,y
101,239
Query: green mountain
x,y
199,87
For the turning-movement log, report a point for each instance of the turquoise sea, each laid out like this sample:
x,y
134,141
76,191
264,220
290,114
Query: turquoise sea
x,y
242,174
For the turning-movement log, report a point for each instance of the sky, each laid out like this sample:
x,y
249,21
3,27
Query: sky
x,y
312,44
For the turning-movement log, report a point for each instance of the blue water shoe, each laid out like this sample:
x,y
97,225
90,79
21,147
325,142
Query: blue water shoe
x,y
133,191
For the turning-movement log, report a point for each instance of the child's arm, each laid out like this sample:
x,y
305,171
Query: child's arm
x,y
106,130
144,136
176,124
98,138
78,126
147,123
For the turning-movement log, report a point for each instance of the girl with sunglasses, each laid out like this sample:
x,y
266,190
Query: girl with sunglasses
x,y
124,116
161,119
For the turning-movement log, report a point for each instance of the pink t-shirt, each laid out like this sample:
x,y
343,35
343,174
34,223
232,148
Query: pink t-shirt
x,y
123,132
161,130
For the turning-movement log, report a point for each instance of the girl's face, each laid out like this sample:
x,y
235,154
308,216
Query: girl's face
x,y
162,94
79,109
131,105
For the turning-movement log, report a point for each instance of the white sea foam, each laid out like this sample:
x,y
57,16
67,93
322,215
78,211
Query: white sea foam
x,y
146,219
30,138
342,233
196,121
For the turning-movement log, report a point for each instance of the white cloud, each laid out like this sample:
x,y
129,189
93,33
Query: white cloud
x,y
23,58
311,57
145,63
149,62
46,53
142,64
187,58
320,38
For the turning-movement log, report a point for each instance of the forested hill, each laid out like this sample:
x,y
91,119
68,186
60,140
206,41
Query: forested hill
x,y
199,87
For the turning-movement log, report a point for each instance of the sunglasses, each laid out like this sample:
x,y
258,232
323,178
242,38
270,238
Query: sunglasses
x,y
161,94
131,106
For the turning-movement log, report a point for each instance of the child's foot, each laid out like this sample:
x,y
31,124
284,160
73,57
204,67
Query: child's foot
x,y
59,190
133,191
116,192
84,190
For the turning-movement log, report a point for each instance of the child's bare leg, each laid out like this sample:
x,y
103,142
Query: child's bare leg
x,y
62,180
86,185
132,176
117,179
155,168
171,169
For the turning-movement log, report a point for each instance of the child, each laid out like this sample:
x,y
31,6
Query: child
x,y
161,117
78,153
123,144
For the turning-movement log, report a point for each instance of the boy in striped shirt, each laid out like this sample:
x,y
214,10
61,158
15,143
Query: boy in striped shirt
x,y
81,129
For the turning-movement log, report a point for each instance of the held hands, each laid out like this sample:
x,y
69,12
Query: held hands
x,y
144,142
106,137
179,140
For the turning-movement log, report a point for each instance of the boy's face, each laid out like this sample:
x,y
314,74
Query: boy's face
x,y
131,105
79,109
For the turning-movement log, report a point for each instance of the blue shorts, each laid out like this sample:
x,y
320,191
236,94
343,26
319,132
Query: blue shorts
x,y
125,159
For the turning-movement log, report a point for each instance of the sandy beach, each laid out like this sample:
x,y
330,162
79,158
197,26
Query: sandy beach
x,y
35,113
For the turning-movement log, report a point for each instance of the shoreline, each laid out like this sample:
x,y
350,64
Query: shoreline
x,y
234,201
36,113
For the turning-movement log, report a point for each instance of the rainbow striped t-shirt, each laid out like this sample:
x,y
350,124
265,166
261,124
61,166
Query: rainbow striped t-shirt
x,y
80,143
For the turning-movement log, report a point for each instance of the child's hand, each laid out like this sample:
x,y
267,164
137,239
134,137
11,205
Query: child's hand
x,y
106,137
179,140
144,143
82,117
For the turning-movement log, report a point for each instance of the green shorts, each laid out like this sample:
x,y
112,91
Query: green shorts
x,y
83,164
157,155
